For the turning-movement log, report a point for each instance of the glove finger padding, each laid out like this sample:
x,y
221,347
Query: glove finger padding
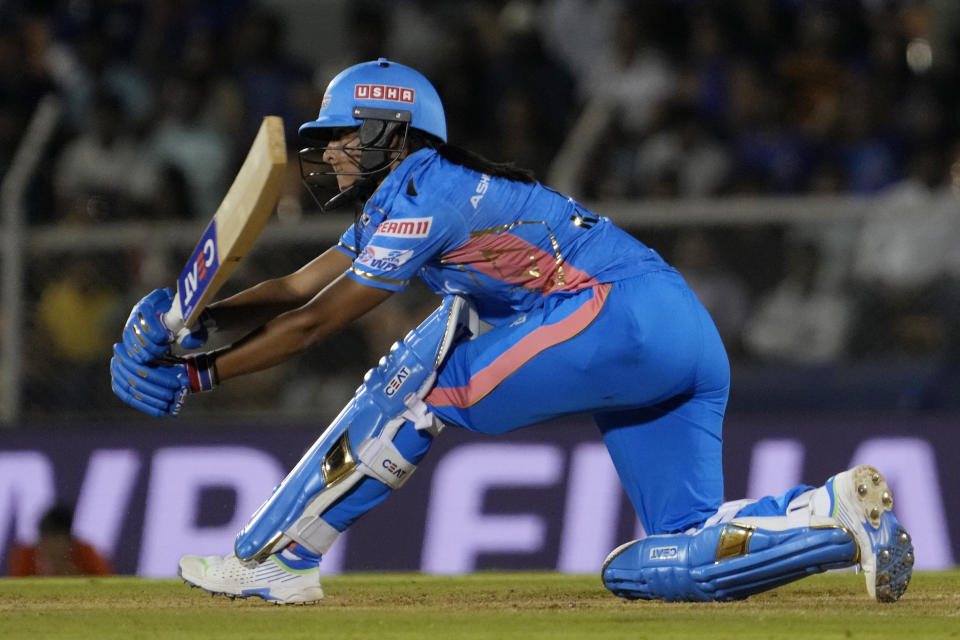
x,y
170,377
138,385
143,403
145,337
139,393
160,389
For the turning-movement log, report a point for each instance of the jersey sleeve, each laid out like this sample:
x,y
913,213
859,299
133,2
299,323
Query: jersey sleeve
x,y
347,243
402,244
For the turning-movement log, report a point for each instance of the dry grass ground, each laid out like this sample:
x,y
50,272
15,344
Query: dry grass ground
x,y
501,606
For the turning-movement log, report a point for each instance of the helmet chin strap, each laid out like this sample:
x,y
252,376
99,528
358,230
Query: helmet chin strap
x,y
361,189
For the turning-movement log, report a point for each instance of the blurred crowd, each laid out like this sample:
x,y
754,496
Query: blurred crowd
x,y
603,99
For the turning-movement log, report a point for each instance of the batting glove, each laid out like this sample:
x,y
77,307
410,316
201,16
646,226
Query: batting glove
x,y
147,336
159,389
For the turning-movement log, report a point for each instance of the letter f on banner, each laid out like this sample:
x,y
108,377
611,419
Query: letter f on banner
x,y
457,529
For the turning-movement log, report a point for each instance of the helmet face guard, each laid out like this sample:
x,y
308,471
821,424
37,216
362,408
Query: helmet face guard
x,y
377,146
381,100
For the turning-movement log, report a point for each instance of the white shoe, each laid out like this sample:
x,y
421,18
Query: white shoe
x,y
278,579
861,501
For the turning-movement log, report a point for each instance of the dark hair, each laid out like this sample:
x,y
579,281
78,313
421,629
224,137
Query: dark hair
x,y
417,140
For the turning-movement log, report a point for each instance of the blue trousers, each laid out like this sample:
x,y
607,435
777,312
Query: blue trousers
x,y
641,355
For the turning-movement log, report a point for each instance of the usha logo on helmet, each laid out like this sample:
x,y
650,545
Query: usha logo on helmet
x,y
383,92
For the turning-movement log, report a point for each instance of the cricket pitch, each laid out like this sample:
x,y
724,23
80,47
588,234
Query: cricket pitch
x,y
483,605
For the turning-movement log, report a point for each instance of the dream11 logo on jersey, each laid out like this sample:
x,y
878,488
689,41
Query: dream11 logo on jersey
x,y
407,228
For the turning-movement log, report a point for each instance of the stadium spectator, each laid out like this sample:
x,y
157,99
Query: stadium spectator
x,y
591,20
57,551
671,100
721,290
186,138
270,80
73,318
535,94
682,158
770,157
25,79
103,173
904,252
637,79
800,321
865,150
90,47
625,87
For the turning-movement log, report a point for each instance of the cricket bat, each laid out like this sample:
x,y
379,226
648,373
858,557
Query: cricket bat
x,y
235,226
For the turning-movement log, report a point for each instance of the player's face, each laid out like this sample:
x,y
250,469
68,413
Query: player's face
x,y
343,156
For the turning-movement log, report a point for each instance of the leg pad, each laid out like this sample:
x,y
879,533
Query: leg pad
x,y
360,441
724,562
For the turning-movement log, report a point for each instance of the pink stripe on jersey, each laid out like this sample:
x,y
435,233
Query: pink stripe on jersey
x,y
512,259
541,338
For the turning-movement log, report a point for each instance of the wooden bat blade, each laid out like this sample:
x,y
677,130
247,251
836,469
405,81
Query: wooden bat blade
x,y
237,223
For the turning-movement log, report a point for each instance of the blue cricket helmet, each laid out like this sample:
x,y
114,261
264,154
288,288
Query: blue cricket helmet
x,y
373,90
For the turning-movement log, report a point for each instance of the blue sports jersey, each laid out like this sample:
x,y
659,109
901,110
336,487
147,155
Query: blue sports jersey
x,y
502,243
585,319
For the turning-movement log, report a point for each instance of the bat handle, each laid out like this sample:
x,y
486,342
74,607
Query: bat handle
x,y
173,319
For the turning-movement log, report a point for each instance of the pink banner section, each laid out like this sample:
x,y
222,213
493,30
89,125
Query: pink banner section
x,y
541,498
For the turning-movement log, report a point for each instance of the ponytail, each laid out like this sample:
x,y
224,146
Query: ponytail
x,y
465,158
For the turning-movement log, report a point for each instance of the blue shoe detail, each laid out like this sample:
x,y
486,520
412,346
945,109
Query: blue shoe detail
x,y
300,552
289,561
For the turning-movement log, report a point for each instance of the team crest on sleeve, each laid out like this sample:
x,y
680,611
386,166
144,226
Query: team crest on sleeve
x,y
383,258
407,228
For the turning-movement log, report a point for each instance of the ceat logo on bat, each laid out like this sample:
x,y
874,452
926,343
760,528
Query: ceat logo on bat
x,y
408,228
199,271
384,259
383,92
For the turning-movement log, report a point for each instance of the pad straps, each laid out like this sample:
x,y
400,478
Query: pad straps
x,y
382,460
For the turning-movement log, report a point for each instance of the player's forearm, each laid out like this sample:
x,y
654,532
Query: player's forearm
x,y
293,332
253,307
271,344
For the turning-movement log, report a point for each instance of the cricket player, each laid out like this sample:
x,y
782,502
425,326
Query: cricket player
x,y
548,310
